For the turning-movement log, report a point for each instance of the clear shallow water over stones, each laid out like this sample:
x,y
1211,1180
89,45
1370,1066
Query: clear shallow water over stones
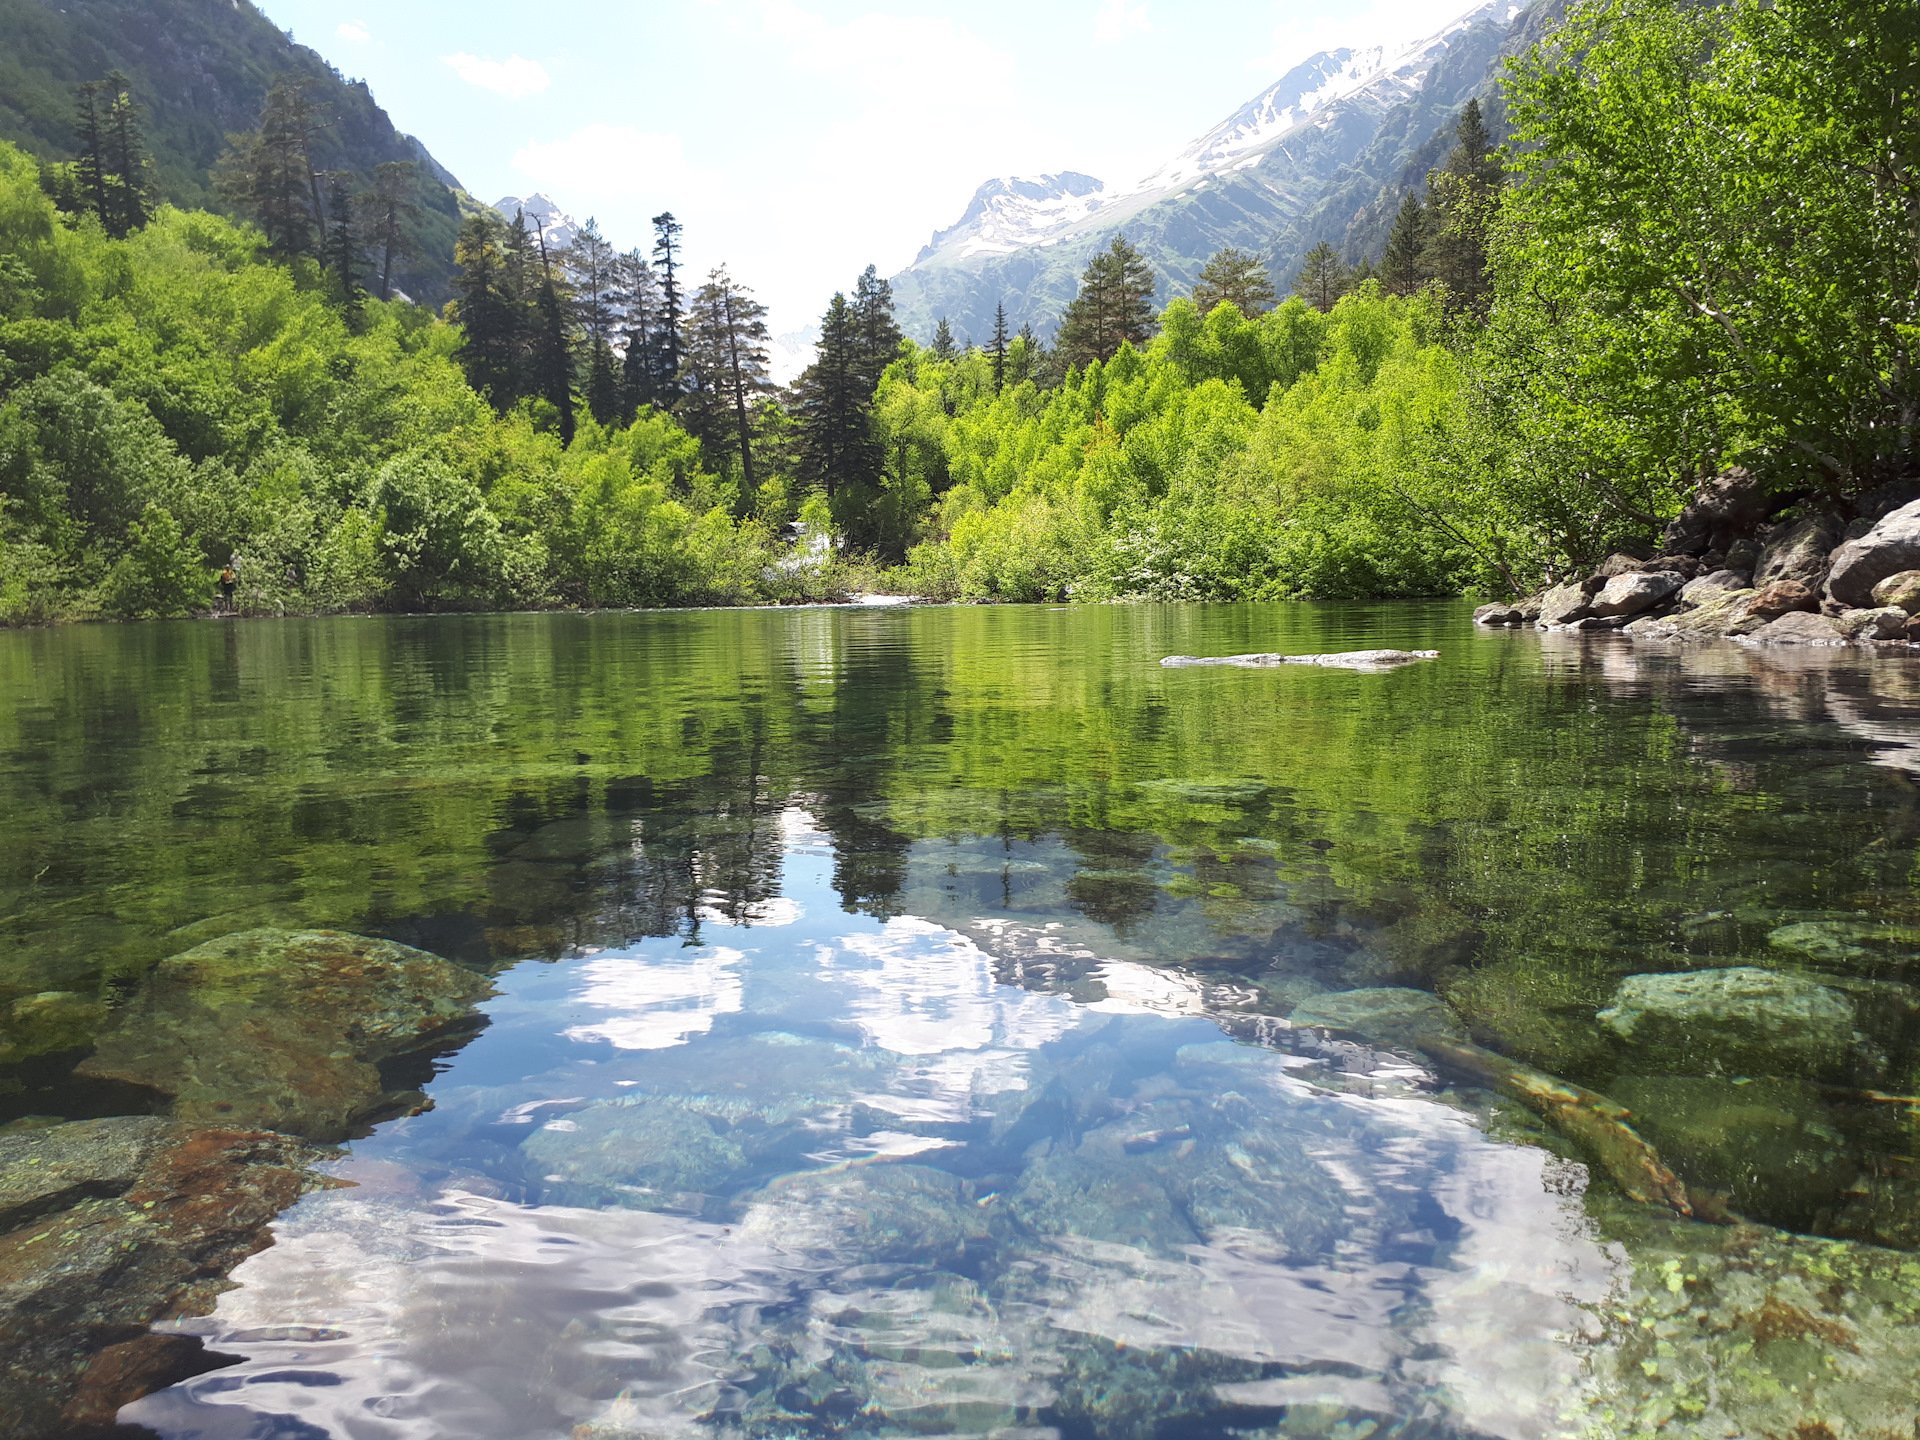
x,y
890,1019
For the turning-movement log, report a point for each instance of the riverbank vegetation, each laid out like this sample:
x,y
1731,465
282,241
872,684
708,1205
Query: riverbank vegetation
x,y
1560,338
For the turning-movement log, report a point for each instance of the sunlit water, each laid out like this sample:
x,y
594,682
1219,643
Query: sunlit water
x,y
889,1036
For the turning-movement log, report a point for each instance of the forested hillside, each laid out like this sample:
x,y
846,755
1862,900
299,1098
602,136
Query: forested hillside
x,y
199,71
1553,345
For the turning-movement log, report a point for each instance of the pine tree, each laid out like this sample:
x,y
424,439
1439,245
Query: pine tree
x,y
727,354
833,404
519,298
639,304
666,355
1114,306
488,344
391,211
593,278
90,168
125,157
1401,266
268,173
553,354
879,333
1237,277
1322,279
998,350
1460,200
341,251
943,346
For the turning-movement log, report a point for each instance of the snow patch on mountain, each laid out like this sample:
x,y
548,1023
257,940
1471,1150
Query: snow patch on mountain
x,y
541,209
1011,212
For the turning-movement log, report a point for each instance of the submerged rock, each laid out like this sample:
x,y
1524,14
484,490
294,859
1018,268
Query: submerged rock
x,y
51,1021
1744,1330
892,1214
1342,660
111,1226
1769,1145
647,1153
1839,942
1738,1021
285,1030
1387,1014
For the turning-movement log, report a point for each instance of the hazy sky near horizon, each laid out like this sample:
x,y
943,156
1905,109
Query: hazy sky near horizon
x,y
799,140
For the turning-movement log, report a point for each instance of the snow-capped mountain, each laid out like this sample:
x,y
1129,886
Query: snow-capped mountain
x,y
542,210
1311,157
1011,212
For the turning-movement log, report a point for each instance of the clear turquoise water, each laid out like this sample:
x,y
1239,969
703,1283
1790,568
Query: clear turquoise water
x,y
890,1033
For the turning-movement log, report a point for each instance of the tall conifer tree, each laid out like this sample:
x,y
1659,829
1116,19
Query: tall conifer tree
x,y
666,269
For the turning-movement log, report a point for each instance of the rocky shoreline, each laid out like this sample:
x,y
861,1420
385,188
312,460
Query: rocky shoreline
x,y
1727,568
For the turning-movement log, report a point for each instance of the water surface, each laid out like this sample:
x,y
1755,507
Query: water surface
x,y
891,1021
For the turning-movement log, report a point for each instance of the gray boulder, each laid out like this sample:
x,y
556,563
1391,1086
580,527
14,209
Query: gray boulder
x,y
1739,1021
1888,622
1798,552
1716,613
1723,509
1799,628
1716,582
1497,615
1891,546
1634,594
1564,604
1902,589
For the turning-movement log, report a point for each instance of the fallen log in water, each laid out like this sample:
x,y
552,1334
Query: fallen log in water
x,y
1338,660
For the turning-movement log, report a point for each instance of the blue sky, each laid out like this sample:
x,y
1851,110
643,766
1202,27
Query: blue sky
x,y
798,140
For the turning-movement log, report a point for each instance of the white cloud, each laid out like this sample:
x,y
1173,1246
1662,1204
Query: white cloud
x,y
1119,20
354,32
1307,30
515,77
612,163
874,45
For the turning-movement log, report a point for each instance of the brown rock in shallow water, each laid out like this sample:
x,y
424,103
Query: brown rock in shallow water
x,y
143,1225
284,1029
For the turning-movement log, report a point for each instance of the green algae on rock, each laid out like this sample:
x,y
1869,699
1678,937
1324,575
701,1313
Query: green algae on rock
x,y
284,1030
1742,1020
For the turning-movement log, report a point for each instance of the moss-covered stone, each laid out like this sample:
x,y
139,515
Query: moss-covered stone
x,y
284,1030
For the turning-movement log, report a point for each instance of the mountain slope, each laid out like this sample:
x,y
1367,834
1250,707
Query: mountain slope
x,y
1318,155
200,69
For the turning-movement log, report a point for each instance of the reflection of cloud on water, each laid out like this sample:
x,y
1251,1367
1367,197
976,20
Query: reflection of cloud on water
x,y
658,1003
768,914
471,1318
923,992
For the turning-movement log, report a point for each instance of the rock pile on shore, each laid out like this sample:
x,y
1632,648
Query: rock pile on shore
x,y
1726,569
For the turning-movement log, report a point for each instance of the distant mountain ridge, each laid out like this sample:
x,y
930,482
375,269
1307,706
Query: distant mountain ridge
x,y
200,70
1318,155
